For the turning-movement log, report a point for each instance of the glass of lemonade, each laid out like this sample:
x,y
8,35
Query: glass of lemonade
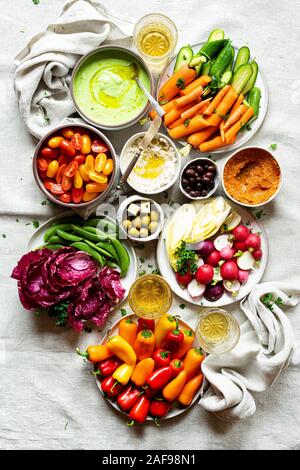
x,y
150,296
217,331
155,38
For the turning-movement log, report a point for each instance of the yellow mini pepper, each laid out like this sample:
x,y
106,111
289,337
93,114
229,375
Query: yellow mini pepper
x,y
173,389
123,373
122,349
96,353
165,324
128,330
142,370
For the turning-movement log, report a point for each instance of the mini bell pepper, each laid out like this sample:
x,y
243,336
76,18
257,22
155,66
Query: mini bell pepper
x,y
145,324
150,392
176,366
142,370
144,344
139,411
123,373
96,353
159,408
188,341
122,349
128,398
111,387
159,378
192,362
190,389
173,389
128,330
161,357
108,367
165,324
173,340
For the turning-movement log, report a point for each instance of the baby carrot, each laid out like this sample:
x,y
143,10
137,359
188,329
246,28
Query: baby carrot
x,y
235,116
201,136
223,108
173,114
196,124
201,81
187,99
233,131
196,107
179,80
238,102
217,100
222,130
166,107
210,145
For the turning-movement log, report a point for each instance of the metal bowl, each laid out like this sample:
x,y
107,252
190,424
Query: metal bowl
x,y
39,181
132,55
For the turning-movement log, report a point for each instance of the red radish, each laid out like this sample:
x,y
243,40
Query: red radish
x,y
240,246
253,241
195,289
240,233
205,248
257,254
205,274
243,276
184,279
227,253
214,293
229,271
214,258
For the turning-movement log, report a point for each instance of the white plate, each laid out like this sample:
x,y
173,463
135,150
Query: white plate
x,y
175,410
254,278
242,137
37,239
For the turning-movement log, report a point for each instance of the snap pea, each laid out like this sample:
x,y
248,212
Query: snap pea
x,y
96,231
86,234
56,240
98,248
123,256
53,247
110,264
52,230
101,223
70,237
254,100
110,248
68,220
90,251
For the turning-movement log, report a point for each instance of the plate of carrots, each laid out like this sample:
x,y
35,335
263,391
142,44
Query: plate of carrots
x,y
209,115
149,369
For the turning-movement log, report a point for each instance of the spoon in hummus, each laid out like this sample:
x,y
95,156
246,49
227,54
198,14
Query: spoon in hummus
x,y
135,76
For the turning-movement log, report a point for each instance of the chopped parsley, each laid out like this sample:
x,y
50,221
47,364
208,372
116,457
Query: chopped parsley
x,y
36,2
180,83
3,235
186,261
123,312
142,273
66,425
17,220
259,214
156,271
186,122
142,260
269,300
35,223
273,147
182,306
60,313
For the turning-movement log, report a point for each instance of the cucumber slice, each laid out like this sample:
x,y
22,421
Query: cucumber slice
x,y
241,77
184,56
206,67
251,82
216,34
212,48
225,79
242,58
254,100
197,60
222,61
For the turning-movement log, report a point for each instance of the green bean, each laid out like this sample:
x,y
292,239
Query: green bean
x,y
98,248
95,231
52,231
110,248
123,256
70,237
68,220
56,240
53,247
85,234
90,251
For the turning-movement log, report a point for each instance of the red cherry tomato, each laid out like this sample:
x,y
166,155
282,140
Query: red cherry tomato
x,y
99,147
77,195
42,164
47,152
80,159
76,141
57,189
71,169
42,174
66,197
60,172
66,182
67,148
63,159
48,184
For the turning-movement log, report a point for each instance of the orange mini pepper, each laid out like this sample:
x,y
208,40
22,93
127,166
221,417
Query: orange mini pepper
x,y
188,340
128,330
190,389
192,362
144,344
165,324
142,370
96,353
174,388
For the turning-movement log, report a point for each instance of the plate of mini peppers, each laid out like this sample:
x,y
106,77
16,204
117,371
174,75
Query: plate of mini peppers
x,y
149,370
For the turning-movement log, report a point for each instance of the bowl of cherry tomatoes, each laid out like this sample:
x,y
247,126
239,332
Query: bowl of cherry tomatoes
x,y
75,165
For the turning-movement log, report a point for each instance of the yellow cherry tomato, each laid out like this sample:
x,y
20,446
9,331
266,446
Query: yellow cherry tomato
x,y
98,177
109,166
54,142
86,144
100,162
83,173
67,133
52,168
89,163
78,181
89,196
96,187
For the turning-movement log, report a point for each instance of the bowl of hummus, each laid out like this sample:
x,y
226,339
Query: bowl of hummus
x,y
104,89
158,166
252,177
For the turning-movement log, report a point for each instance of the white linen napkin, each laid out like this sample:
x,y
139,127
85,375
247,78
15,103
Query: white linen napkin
x,y
44,67
266,347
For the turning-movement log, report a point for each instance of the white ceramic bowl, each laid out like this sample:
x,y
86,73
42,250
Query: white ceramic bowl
x,y
123,208
216,180
166,186
242,203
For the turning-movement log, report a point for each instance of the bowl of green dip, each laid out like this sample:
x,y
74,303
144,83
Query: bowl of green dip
x,y
104,90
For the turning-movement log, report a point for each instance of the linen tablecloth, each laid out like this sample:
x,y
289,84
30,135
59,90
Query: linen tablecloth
x,y
48,398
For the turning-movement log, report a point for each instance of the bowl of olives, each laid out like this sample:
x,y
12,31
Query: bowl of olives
x,y
140,219
199,179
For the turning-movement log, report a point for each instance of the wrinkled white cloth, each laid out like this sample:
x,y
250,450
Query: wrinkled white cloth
x,y
266,347
44,67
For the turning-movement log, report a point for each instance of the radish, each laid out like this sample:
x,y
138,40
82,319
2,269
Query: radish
x,y
195,289
227,253
205,248
205,274
229,271
240,233
240,246
199,262
217,275
246,261
232,286
214,293
214,258
253,241
243,276
222,241
184,279
257,254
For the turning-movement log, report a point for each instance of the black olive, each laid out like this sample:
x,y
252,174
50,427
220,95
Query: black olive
x,y
199,185
204,193
211,168
209,175
185,182
198,179
199,169
190,172
192,181
197,194
193,194
188,189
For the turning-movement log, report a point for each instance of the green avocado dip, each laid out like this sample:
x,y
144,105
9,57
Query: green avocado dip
x,y
105,90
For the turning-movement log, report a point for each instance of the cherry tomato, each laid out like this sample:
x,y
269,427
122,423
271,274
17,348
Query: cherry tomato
x,y
66,182
67,148
42,174
48,184
86,144
60,172
79,159
52,168
54,142
89,163
46,152
66,197
96,187
71,169
89,196
42,164
83,173
76,141
62,159
77,195
109,166
78,181
98,146
57,189
100,162
98,177
67,133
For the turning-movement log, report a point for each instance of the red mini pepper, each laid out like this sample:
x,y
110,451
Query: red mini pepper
x,y
159,378
150,392
139,411
107,367
173,340
161,357
145,324
176,366
128,397
111,387
159,408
